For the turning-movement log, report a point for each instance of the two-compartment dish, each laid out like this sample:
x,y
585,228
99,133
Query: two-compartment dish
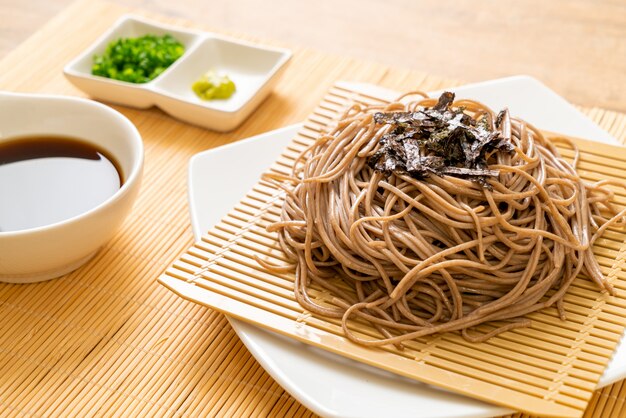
x,y
253,68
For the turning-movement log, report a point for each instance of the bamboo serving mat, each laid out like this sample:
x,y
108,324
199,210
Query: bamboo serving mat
x,y
551,368
108,340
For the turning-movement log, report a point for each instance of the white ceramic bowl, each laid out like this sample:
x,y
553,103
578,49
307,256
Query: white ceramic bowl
x,y
50,251
253,68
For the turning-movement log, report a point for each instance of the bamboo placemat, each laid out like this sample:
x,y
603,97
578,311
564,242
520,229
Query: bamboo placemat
x,y
108,340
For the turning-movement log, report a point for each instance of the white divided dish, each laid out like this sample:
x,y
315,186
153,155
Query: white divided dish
x,y
253,68
328,384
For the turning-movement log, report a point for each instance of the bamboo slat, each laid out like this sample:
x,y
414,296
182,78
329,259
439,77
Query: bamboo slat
x,y
107,340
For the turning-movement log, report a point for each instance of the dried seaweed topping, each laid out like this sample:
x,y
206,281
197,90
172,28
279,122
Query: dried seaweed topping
x,y
441,140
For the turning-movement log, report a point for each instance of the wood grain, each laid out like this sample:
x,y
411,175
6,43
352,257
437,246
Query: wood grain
x,y
107,340
576,47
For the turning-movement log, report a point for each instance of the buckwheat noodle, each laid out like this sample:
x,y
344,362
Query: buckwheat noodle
x,y
414,257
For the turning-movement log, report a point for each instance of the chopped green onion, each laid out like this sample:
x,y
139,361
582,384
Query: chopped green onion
x,y
137,60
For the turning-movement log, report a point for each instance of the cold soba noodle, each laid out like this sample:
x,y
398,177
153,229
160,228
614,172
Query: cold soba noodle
x,y
437,216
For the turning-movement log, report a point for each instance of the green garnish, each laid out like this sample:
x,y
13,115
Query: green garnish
x,y
213,86
137,60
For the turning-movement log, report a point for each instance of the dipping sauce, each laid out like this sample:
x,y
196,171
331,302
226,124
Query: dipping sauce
x,y
48,179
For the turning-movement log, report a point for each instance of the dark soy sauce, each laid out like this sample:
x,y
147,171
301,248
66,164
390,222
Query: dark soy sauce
x,y
48,179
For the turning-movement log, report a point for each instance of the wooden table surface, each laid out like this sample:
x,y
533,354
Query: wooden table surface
x,y
576,47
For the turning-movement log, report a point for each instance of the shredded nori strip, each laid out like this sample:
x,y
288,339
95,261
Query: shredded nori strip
x,y
440,140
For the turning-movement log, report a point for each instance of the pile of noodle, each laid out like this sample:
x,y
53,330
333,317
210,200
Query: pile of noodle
x,y
419,256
